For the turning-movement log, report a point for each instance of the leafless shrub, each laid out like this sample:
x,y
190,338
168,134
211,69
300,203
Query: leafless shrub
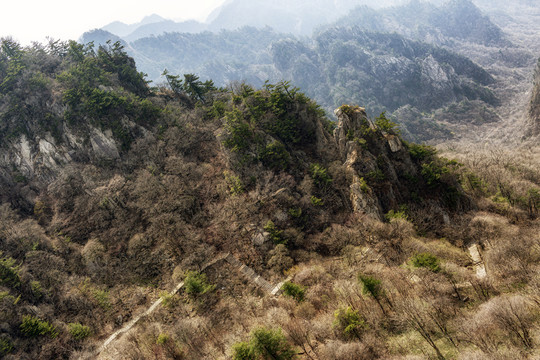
x,y
279,259
368,349
299,332
320,295
483,288
94,256
485,227
514,315
337,237
511,260
416,314
308,275
322,327
502,354
351,255
400,229
504,320
305,310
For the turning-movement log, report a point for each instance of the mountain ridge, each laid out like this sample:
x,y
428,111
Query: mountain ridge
x,y
350,57
114,192
456,20
121,29
435,85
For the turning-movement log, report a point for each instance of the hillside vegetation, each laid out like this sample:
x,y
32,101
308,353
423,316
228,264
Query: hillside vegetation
x,y
338,65
451,21
114,191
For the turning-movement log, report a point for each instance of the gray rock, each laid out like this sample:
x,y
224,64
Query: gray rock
x,y
364,201
394,142
104,146
260,239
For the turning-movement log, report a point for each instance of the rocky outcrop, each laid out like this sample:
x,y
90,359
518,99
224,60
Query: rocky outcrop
x,y
29,164
534,107
351,120
376,161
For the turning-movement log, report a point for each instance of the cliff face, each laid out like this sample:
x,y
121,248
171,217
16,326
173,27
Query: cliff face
x,y
62,104
30,164
363,160
534,107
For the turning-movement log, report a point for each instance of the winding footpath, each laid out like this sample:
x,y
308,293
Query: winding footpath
x,y
478,263
251,275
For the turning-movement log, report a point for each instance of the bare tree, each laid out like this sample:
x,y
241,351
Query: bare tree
x,y
416,315
299,332
514,316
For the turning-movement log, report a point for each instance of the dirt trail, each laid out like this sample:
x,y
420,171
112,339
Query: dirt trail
x,y
478,264
251,275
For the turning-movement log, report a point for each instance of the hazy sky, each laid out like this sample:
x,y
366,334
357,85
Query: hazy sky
x,y
34,20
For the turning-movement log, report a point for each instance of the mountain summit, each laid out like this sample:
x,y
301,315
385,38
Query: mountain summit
x,y
121,29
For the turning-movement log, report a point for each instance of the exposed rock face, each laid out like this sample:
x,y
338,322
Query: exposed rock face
x,y
38,157
534,108
351,120
363,199
376,161
394,142
103,145
261,238
35,162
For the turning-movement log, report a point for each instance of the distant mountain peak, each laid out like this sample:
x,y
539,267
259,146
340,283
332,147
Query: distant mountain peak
x,y
122,29
150,19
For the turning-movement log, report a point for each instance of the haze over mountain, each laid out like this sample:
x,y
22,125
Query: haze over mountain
x,y
351,67
121,29
457,20
299,17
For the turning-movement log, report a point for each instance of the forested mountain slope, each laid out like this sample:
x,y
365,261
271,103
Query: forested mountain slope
x,y
457,20
503,44
379,71
113,192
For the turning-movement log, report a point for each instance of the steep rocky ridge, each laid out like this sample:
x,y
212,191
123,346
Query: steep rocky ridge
x,y
386,172
443,24
42,132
